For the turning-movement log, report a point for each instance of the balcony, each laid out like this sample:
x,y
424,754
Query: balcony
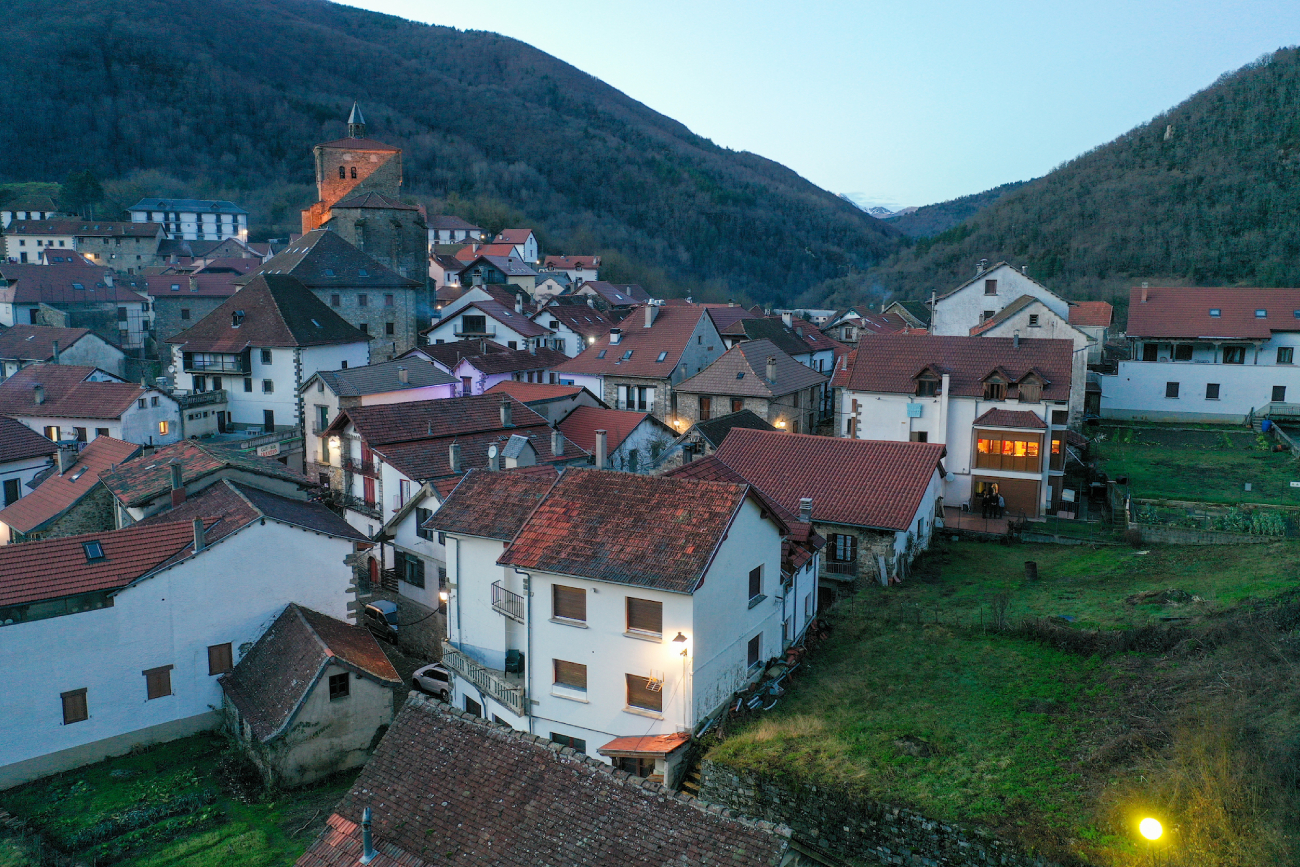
x,y
493,682
357,504
356,465
849,570
469,335
201,398
507,603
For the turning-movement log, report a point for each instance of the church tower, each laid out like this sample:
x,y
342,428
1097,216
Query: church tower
x,y
356,123
348,167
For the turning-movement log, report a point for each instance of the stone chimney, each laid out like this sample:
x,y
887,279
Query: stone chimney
x,y
557,443
453,457
403,376
602,440
199,541
67,457
1015,339
494,457
788,318
54,355
108,279
771,369
651,311
39,394
1145,287
178,487
591,300
519,304
507,413
194,283
615,336
805,509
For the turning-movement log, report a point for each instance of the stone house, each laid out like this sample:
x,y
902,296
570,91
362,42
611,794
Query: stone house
x,y
703,438
757,376
574,324
618,298
310,698
1093,318
876,503
349,167
180,300
70,499
388,230
76,296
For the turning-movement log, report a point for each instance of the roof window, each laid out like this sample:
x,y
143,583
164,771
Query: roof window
x,y
78,286
94,550
601,354
176,287
1215,311
314,322
1261,314
79,473
328,272
740,374
662,355
236,318
627,355
362,272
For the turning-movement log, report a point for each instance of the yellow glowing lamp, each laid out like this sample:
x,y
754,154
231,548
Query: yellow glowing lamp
x,y
1151,828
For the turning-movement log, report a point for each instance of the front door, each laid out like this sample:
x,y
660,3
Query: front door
x,y
221,421
268,420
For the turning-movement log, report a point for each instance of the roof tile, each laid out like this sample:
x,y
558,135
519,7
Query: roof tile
x,y
60,491
1186,312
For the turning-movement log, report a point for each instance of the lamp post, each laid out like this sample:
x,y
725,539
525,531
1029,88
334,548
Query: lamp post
x,y
1152,830
682,640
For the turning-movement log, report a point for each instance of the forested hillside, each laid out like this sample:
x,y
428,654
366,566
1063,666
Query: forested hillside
x,y
930,220
1207,193
226,97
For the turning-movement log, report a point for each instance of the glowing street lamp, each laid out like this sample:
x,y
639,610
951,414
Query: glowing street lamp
x,y
1151,828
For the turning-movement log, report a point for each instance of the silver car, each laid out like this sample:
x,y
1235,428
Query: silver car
x,y
432,680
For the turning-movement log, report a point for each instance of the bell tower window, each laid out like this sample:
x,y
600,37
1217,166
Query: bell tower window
x,y
354,172
343,173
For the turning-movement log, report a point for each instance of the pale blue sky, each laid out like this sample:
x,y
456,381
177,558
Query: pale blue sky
x,y
900,103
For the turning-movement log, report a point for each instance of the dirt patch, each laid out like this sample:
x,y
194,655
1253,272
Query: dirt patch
x,y
1172,596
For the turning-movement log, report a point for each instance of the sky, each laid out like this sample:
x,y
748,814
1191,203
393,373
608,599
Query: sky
x,y
894,103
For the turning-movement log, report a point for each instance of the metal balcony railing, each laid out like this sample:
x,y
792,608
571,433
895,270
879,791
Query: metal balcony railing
x,y
490,680
507,603
832,568
357,465
357,504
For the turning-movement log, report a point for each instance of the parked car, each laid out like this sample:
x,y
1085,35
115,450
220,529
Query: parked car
x,y
432,680
381,619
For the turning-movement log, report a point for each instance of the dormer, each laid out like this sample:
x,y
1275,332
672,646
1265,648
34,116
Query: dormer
x,y
928,381
1030,387
995,384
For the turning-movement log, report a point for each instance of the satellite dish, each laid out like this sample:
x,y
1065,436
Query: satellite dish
x,y
492,452
171,368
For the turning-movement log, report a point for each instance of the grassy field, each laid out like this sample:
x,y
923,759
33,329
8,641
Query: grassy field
x,y
170,806
912,701
1194,464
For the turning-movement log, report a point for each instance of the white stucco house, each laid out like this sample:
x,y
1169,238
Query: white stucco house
x,y
24,453
523,241
1029,318
193,219
488,319
1213,354
72,402
116,639
956,312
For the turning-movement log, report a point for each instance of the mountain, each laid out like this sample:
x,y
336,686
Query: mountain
x,y
930,220
225,98
1207,193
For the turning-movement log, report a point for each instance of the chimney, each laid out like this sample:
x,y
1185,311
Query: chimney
x,y
199,542
54,356
557,443
615,335
108,279
591,300
194,283
650,311
731,302
67,457
507,413
519,304
368,851
178,488
1144,291
1015,339
788,318
494,457
601,441
40,394
403,376
771,368
453,457
805,509
532,347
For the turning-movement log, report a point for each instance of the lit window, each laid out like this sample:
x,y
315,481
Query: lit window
x,y
163,427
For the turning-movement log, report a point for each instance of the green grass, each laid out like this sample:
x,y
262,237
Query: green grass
x,y
272,831
1212,466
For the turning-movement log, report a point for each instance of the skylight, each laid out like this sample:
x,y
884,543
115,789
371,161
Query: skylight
x,y
329,272
627,355
740,374
314,322
94,550
362,272
78,286
662,355
1215,311
1261,314
601,354
176,287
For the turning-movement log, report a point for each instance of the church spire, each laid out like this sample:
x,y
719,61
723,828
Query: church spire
x,y
356,123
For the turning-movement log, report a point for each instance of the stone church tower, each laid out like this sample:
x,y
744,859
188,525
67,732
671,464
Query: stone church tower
x,y
358,181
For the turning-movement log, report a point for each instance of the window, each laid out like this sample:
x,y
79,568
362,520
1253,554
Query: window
x,y
268,386
473,707
601,354
1150,352
340,686
662,355
1060,417
1033,320
1212,391
1234,355
268,421
185,313
706,408
363,300
389,329
158,682
568,603
627,356
995,389
1031,392
141,403
12,491
644,693
220,659
94,550
75,709
1286,355
121,314
343,173
354,172
755,582
409,568
920,436
1279,394
927,386
1019,455
335,301
570,674
990,287
266,356
390,300
421,516
164,427
364,328
844,548
473,324
637,766
755,648
645,615
248,385
1183,352
986,316
569,741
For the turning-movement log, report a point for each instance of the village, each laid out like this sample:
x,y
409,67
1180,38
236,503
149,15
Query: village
x,y
402,497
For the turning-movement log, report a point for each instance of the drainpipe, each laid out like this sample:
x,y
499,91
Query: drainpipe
x,y
528,660
944,383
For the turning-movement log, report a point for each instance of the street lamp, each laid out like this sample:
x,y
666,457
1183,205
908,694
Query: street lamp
x,y
1152,830
680,639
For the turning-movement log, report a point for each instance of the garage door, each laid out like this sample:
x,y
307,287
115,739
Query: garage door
x,y
1021,494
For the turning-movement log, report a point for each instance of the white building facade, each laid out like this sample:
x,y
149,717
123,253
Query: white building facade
x,y
194,219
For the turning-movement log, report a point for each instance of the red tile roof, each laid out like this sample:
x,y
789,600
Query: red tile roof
x,y
278,310
514,236
196,285
321,259
426,419
643,531
646,745
580,426
742,371
586,321
1091,313
226,264
84,228
429,458
59,492
359,144
448,354
276,676
137,482
445,782
67,393
55,568
515,360
844,369
1185,312
617,294
36,342
63,284
490,505
890,362
534,392
565,263
507,316
374,200
710,469
670,333
450,221
726,317
1011,418
18,442
862,483
471,252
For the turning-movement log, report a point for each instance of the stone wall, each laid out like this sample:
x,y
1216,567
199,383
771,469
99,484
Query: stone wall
x,y
93,514
167,317
856,828
376,314
1189,536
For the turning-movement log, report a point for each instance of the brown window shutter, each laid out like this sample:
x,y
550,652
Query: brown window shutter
x,y
640,695
158,681
644,615
570,674
220,659
74,706
569,603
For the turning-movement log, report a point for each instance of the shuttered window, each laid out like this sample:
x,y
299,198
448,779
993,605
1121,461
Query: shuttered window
x,y
755,581
158,682
569,603
640,695
644,615
220,659
844,548
570,674
74,707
